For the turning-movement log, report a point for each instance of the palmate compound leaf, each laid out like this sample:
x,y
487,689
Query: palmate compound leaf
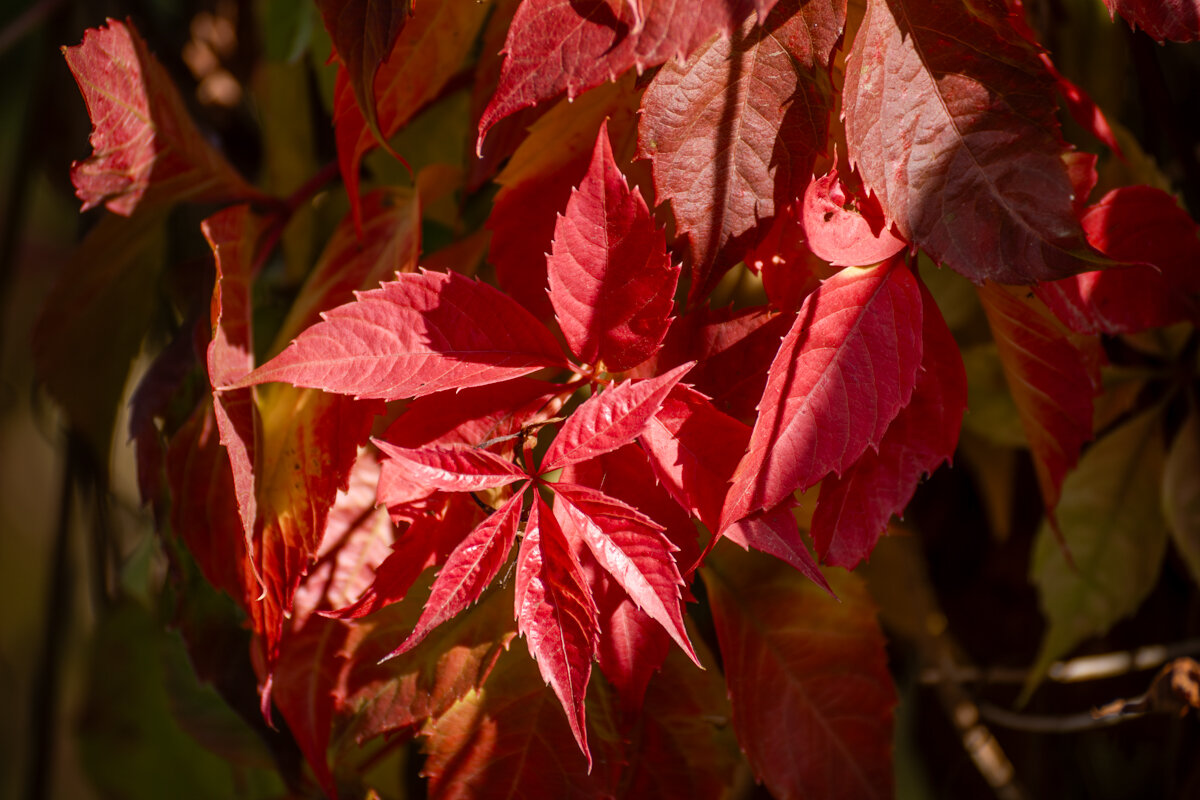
x,y
733,133
1177,20
631,548
573,45
807,675
610,419
854,509
1112,522
1050,379
144,144
842,374
612,284
950,122
421,333
1144,227
556,614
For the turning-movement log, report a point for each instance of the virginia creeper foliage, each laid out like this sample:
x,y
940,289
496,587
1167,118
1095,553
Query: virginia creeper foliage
x,y
471,491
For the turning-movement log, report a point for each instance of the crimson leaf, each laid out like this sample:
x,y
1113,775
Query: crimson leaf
x,y
452,469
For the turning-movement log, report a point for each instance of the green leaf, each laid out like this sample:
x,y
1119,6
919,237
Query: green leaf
x,y
1112,522
1181,492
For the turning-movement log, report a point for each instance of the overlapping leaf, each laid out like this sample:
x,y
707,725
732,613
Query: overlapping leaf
x,y
842,374
854,509
1143,226
612,284
1051,381
144,145
452,469
1112,523
950,121
845,231
610,419
776,533
808,680
734,131
1177,20
421,333
556,614
572,45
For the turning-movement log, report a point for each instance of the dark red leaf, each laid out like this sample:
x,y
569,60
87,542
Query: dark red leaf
x,y
694,449
950,120
808,679
363,32
846,232
469,569
734,131
556,615
841,375
573,45
1177,20
144,144
1051,382
452,469
610,419
1143,226
421,333
853,510
612,284
631,548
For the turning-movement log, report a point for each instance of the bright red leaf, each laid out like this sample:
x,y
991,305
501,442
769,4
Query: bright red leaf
x,y
421,333
556,615
573,45
631,548
610,419
144,144
846,232
1143,226
612,284
452,469
776,533
841,375
854,509
808,678
469,569
734,131
950,121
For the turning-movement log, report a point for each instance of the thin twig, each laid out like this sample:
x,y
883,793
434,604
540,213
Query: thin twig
x,y
1084,668
1051,723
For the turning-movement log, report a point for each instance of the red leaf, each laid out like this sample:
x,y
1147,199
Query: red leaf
x,y
428,541
1177,20
841,375
419,334
144,144
537,182
950,121
611,283
452,469
610,419
505,741
808,680
853,510
233,235
469,569
1050,381
1146,227
790,270
631,548
556,615
733,133
363,32
632,646
694,449
776,533
426,54
846,232
573,45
